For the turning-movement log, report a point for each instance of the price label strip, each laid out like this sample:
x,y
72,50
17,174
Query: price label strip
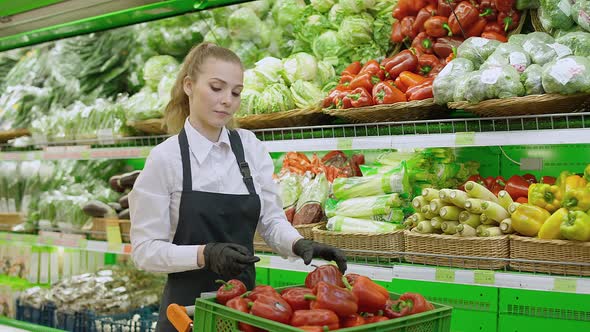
x,y
114,240
565,285
484,277
465,139
344,143
444,274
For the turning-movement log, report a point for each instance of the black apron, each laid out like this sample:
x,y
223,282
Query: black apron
x,y
206,217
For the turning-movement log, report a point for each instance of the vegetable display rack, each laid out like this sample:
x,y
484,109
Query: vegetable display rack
x,y
291,118
211,316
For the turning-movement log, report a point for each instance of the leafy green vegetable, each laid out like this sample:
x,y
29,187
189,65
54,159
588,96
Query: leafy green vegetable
x,y
306,94
558,13
249,102
354,225
477,49
254,81
495,82
362,206
300,66
175,36
275,98
315,191
269,70
260,7
508,54
394,181
578,42
325,74
286,13
156,68
355,30
446,81
247,51
581,13
336,15
244,24
532,80
219,35
322,6
567,75
143,105
290,186
356,6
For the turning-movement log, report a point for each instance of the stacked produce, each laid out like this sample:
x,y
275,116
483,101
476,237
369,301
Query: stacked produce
x,y
528,64
328,301
118,209
557,16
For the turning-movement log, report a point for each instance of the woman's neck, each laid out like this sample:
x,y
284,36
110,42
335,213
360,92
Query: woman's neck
x,y
210,133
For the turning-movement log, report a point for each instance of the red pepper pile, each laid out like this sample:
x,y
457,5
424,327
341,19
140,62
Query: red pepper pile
x,y
335,164
328,302
517,186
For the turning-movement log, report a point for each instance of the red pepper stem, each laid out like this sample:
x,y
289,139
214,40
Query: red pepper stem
x,y
507,23
448,28
486,12
426,43
250,305
310,297
245,295
425,70
226,285
346,283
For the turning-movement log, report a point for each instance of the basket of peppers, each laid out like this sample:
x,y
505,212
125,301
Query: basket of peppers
x,y
328,301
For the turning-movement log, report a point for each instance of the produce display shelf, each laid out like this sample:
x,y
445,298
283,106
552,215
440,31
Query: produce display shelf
x,y
75,241
13,325
571,128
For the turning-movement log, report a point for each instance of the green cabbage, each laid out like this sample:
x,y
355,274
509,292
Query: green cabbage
x,y
326,73
508,54
249,102
290,185
247,51
327,47
355,30
260,7
492,83
567,75
269,69
322,6
243,24
156,68
477,49
532,79
578,42
219,35
286,13
306,94
558,13
143,105
165,87
176,35
275,98
446,81
581,13
253,81
336,15
356,6
300,66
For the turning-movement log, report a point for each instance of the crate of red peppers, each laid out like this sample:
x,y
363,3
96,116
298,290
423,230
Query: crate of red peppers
x,y
328,301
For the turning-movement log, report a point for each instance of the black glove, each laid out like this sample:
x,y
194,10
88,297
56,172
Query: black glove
x,y
228,259
308,249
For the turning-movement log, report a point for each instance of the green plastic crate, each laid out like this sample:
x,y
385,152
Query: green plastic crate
x,y
512,323
470,321
211,316
262,276
283,278
541,304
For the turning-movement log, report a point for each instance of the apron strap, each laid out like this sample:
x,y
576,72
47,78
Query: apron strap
x,y
187,178
238,149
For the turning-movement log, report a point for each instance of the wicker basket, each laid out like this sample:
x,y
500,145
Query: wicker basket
x,y
385,245
292,118
151,126
307,230
435,244
8,220
550,250
260,245
527,105
13,133
408,111
536,20
99,229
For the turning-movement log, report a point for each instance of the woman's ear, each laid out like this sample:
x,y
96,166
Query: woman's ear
x,y
187,85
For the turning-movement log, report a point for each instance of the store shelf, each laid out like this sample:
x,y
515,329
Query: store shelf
x,y
74,241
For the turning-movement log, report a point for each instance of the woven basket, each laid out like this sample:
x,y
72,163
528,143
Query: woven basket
x,y
99,229
536,20
292,118
487,247
527,105
518,29
307,230
408,111
362,244
13,133
151,126
8,220
260,245
550,250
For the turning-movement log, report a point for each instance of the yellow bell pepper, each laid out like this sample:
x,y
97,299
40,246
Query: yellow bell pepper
x,y
528,219
587,173
545,196
577,199
576,226
551,228
574,182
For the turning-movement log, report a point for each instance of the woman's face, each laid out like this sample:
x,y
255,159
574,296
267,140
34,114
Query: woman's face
x,y
215,96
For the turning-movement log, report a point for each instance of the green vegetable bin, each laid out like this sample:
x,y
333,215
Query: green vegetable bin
x,y
212,316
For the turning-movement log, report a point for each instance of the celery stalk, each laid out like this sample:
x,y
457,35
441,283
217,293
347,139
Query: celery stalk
x,y
424,227
418,202
449,227
504,199
450,212
476,190
436,204
458,197
506,226
512,208
495,211
473,205
465,230
429,193
445,195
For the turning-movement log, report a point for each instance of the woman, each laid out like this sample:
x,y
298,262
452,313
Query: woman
x,y
202,194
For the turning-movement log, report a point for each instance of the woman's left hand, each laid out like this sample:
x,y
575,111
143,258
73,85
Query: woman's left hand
x,y
308,250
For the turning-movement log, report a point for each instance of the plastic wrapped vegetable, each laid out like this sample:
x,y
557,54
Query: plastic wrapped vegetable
x,y
353,225
394,181
446,81
477,49
143,105
497,82
527,4
275,98
362,206
290,185
558,12
567,76
581,13
156,68
538,46
508,54
310,206
578,42
532,80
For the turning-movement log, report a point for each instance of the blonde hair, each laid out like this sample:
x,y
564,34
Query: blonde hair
x,y
178,108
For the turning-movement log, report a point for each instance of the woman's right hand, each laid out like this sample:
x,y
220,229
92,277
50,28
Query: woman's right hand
x,y
228,259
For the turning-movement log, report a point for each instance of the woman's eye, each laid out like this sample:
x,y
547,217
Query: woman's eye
x,y
215,89
236,94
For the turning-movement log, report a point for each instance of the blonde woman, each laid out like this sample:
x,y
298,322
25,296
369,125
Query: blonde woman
x,y
205,191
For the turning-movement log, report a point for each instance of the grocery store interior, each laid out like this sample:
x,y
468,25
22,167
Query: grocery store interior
x,y
441,146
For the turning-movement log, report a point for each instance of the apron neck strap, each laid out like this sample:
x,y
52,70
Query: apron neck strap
x,y
238,149
187,177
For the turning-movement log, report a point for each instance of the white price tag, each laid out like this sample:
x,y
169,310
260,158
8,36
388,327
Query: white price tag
x,y
490,76
105,136
561,50
447,70
480,42
518,61
564,70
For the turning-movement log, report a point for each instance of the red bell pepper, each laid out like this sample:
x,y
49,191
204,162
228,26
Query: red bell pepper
x,y
343,102
332,98
396,33
423,15
421,91
517,187
317,317
352,321
410,79
374,68
445,7
504,5
509,19
467,15
495,27
346,79
242,305
386,93
260,290
489,181
530,178
312,328
548,180
403,61
444,46
408,8
428,62
423,43
342,301
273,308
496,188
438,26
371,296
408,27
375,319
396,309
365,81
476,28
475,178
358,97
296,297
487,9
400,85
229,290
416,302
327,273
494,36
522,200
353,69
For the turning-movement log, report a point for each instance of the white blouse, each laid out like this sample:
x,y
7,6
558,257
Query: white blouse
x,y
155,199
